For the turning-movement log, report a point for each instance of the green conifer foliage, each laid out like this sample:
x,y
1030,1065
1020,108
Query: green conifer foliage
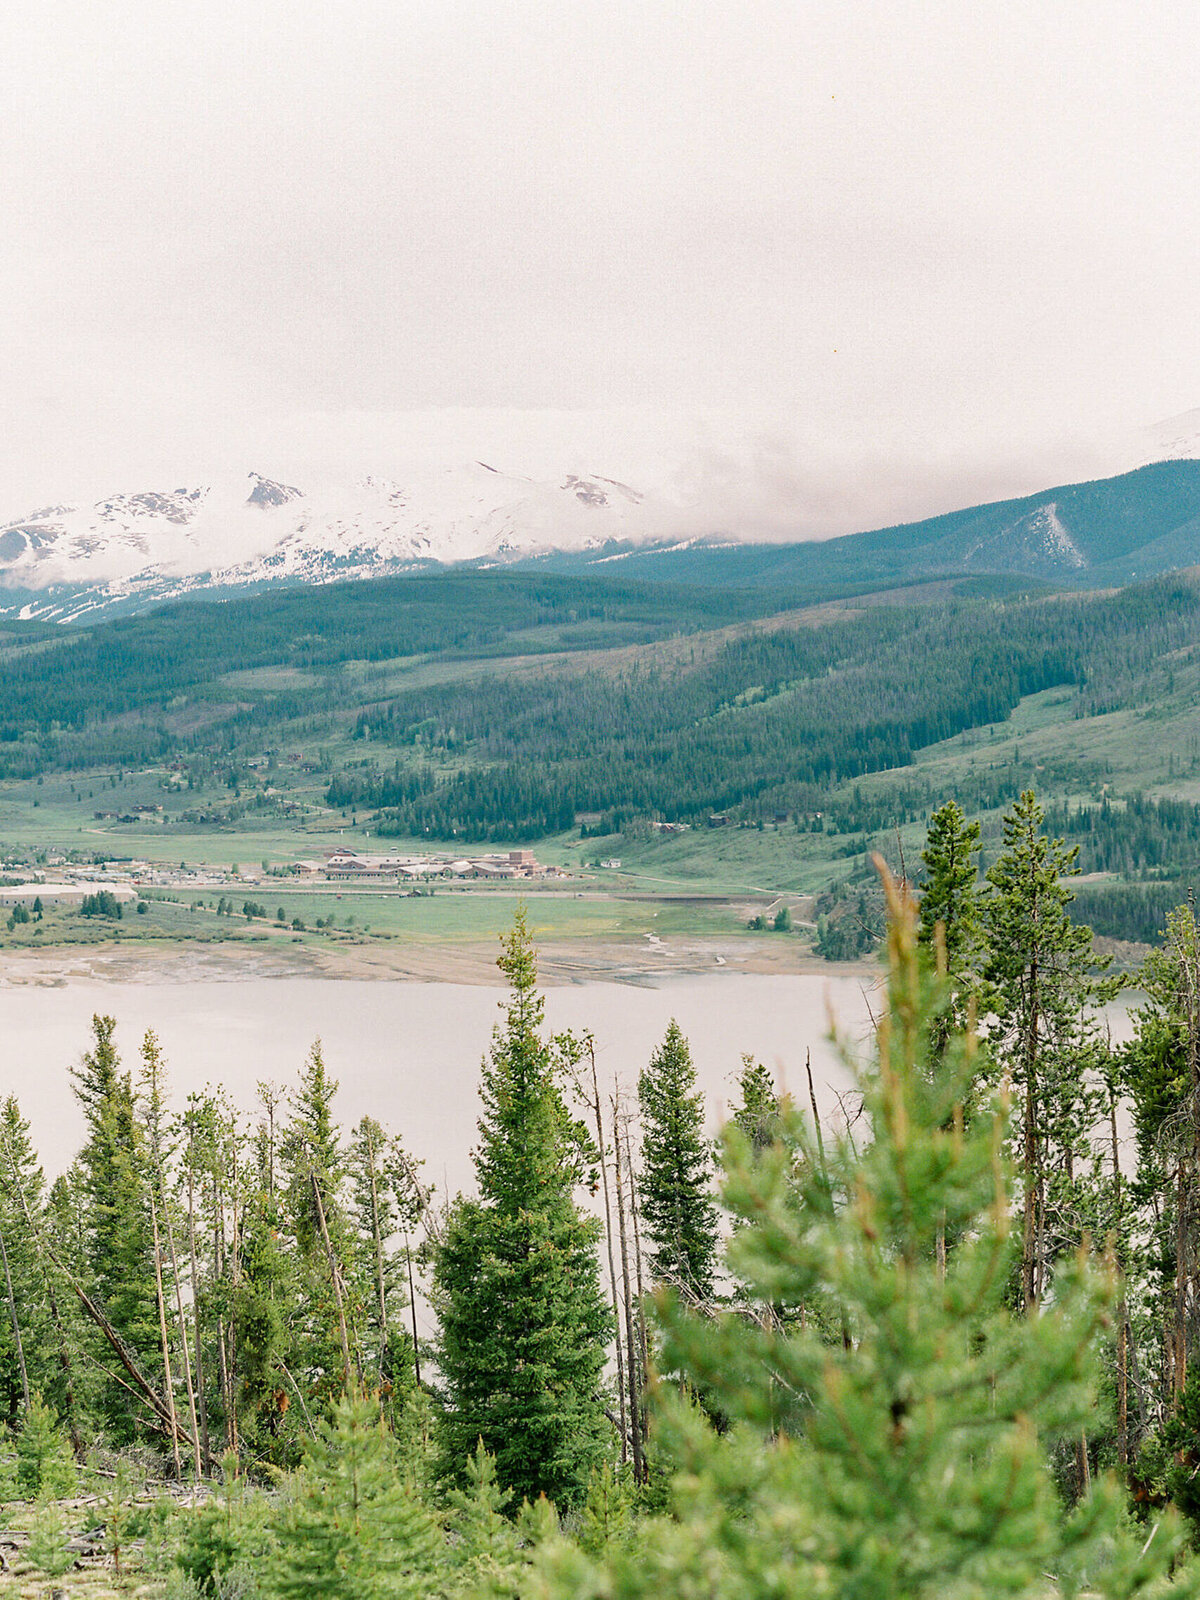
x,y
911,1460
226,1533
1043,989
312,1154
1161,1071
44,1464
757,1115
516,1280
350,1529
265,1293
386,1201
113,1169
676,1176
950,892
28,1336
314,1160
606,1519
47,1548
484,1543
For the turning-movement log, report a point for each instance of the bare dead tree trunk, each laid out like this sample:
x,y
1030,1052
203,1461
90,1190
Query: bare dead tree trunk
x,y
219,1273
1179,1363
608,1239
412,1303
235,1273
183,1340
164,1339
377,1243
643,1345
1030,1240
1122,1309
635,1426
334,1278
16,1324
201,1397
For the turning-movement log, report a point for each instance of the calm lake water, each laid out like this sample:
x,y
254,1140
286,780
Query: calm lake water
x,y
409,1052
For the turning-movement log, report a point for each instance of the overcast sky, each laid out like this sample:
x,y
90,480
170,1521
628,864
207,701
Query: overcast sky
x,y
854,256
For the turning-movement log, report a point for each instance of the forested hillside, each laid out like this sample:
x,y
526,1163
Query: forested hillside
x,y
513,707
882,1352
764,725
61,690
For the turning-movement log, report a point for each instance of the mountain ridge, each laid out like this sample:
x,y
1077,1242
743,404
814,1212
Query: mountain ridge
x,y
130,551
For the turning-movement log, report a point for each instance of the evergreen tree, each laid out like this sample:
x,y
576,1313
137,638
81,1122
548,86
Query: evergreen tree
x,y
350,1529
909,1458
950,926
30,1346
516,1282
1161,1071
757,1114
47,1548
117,1234
1044,987
386,1199
485,1546
676,1171
264,1304
314,1161
312,1156
44,1464
950,891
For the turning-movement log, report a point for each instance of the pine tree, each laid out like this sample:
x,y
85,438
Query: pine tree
x,y
314,1161
312,1156
912,1457
44,1464
386,1198
950,891
226,1533
516,1282
31,1348
757,1114
1044,987
263,1304
484,1549
1161,1071
676,1171
950,927
117,1234
47,1548
351,1529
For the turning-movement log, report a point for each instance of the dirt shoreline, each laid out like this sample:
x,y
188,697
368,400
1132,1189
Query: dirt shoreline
x,y
563,961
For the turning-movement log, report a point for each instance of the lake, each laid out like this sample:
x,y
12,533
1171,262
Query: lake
x,y
409,1052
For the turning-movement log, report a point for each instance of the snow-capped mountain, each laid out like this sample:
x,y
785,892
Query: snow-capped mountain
x,y
67,562
1175,439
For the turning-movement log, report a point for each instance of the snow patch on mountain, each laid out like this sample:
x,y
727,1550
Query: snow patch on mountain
x,y
1174,439
1038,544
159,544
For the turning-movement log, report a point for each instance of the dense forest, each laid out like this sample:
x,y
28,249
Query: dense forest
x,y
943,1343
760,724
62,689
